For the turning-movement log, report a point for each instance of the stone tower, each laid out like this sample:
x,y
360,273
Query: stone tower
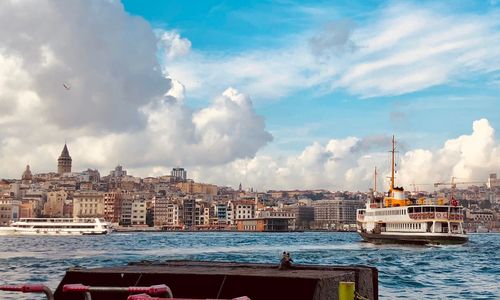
x,y
64,161
27,176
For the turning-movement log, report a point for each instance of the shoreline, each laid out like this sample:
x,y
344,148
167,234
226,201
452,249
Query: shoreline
x,y
155,230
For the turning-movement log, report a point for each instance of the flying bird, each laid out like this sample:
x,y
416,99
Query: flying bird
x,y
66,86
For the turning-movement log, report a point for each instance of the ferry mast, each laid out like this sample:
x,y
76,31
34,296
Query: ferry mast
x,y
392,165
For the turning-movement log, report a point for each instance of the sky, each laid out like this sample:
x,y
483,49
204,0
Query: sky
x,y
272,94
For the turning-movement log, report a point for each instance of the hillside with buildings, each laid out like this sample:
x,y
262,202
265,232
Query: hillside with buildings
x,y
175,202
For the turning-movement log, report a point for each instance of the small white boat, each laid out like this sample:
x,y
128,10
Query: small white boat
x,y
482,229
57,226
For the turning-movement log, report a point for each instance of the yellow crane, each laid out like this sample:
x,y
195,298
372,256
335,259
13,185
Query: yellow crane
x,y
453,185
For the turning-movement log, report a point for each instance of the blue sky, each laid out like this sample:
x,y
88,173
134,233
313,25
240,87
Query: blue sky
x,y
272,94
427,116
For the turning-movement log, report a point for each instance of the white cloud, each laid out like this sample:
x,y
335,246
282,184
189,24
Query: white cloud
x,y
109,70
403,48
118,107
413,48
348,164
173,45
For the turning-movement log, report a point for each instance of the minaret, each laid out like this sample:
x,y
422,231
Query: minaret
x,y
64,161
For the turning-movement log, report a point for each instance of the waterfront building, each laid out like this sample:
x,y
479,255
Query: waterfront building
x,y
244,209
179,174
64,162
230,214
54,207
112,206
138,214
479,215
304,215
166,213
267,221
160,206
334,213
204,214
88,204
9,210
172,214
188,212
126,211
221,213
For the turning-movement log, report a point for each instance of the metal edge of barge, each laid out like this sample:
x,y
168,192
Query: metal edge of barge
x,y
225,280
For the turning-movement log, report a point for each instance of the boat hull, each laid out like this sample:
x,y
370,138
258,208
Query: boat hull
x,y
12,231
439,239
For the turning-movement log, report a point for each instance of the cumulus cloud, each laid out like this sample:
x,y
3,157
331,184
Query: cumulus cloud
x,y
468,157
173,45
104,56
117,106
348,164
399,49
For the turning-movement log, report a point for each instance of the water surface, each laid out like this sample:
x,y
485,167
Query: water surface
x,y
468,271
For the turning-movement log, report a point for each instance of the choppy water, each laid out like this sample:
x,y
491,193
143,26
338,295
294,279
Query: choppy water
x,y
468,271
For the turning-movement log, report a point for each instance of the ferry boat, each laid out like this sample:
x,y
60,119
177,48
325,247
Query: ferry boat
x,y
57,226
398,219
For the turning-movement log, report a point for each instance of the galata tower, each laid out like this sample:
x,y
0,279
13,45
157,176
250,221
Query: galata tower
x,y
64,161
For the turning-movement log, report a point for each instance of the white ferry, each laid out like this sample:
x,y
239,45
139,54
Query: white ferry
x,y
397,219
57,226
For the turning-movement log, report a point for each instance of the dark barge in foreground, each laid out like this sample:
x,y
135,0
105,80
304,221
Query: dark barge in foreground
x,y
223,280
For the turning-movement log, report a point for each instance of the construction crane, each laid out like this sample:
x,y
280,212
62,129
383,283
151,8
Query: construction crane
x,y
454,183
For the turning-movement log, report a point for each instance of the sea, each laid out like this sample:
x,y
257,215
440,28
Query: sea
x,y
469,271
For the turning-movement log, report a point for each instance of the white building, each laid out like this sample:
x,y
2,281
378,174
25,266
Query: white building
x,y
244,209
138,215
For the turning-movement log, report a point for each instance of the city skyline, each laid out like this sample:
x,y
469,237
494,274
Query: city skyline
x,y
277,95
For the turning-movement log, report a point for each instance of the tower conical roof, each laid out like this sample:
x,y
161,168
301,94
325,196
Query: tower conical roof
x,y
65,152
